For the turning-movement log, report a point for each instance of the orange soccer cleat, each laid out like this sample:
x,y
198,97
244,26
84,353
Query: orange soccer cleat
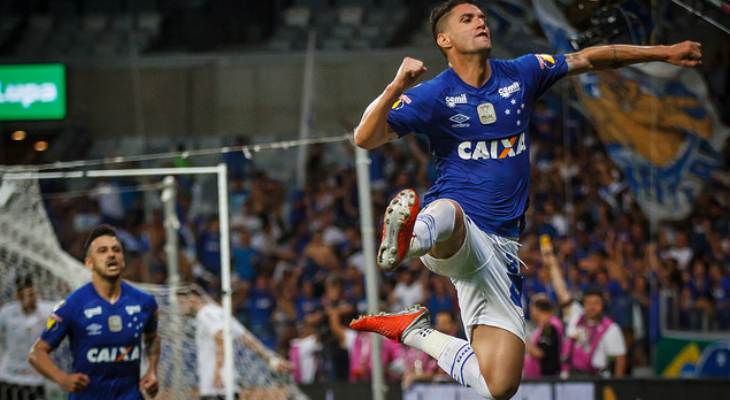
x,y
400,218
394,326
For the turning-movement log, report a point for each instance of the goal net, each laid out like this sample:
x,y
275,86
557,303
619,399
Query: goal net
x,y
29,246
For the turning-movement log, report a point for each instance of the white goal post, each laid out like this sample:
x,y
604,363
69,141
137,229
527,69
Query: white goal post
x,y
21,220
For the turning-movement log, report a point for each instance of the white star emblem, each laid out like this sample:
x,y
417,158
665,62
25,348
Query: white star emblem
x,y
522,105
513,101
506,112
519,112
518,122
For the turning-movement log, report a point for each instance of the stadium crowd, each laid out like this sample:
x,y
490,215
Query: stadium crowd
x,y
298,266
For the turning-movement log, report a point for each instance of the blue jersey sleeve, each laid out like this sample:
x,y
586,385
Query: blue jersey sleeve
x,y
542,71
58,324
412,112
151,325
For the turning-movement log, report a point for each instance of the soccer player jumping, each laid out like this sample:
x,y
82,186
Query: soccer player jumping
x,y
476,116
106,321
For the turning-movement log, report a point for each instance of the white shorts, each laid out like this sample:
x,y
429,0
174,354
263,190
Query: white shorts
x,y
486,274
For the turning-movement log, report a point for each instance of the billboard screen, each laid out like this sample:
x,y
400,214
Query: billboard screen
x,y
32,92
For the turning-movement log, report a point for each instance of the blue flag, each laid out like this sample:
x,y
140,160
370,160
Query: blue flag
x,y
656,121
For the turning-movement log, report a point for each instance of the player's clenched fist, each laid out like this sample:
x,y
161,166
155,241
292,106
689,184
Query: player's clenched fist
x,y
408,73
75,383
685,54
149,383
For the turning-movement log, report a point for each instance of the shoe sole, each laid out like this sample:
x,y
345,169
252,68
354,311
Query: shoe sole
x,y
392,326
399,220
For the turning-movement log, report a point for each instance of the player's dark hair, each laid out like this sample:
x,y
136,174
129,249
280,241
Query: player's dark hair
x,y
23,281
439,15
594,291
101,230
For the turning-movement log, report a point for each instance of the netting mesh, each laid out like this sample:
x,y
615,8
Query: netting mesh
x,y
28,246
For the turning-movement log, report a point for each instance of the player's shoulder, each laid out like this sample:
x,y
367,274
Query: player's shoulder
x,y
210,309
46,306
137,294
210,314
9,308
528,61
78,296
433,86
67,308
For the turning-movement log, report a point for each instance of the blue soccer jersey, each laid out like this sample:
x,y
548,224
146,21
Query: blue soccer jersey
x,y
105,339
478,136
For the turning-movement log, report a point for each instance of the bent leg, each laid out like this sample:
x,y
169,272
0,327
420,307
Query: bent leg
x,y
500,354
439,230
491,365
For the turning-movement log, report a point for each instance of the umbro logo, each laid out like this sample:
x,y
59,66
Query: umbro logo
x,y
459,118
460,121
94,329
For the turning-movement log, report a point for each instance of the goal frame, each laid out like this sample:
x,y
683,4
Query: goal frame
x,y
221,170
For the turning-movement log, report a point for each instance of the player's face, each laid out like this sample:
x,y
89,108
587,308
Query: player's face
x,y
105,257
593,306
186,305
467,30
27,297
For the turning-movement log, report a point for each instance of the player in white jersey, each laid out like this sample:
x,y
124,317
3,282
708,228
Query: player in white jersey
x,y
21,321
209,343
475,115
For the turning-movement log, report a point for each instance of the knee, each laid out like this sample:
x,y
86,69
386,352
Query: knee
x,y
505,392
453,208
502,388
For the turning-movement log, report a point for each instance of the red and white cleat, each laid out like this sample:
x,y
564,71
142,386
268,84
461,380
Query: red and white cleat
x,y
400,218
394,326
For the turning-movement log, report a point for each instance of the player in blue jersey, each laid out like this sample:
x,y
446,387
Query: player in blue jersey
x,y
106,321
475,115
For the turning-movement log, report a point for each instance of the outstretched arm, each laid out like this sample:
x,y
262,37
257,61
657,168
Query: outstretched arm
x,y
685,54
273,360
373,130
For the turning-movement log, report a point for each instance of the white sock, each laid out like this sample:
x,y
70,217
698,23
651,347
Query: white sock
x,y
429,341
434,224
459,360
454,356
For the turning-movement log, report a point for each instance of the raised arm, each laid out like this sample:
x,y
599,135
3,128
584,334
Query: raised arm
x,y
550,262
373,130
685,54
